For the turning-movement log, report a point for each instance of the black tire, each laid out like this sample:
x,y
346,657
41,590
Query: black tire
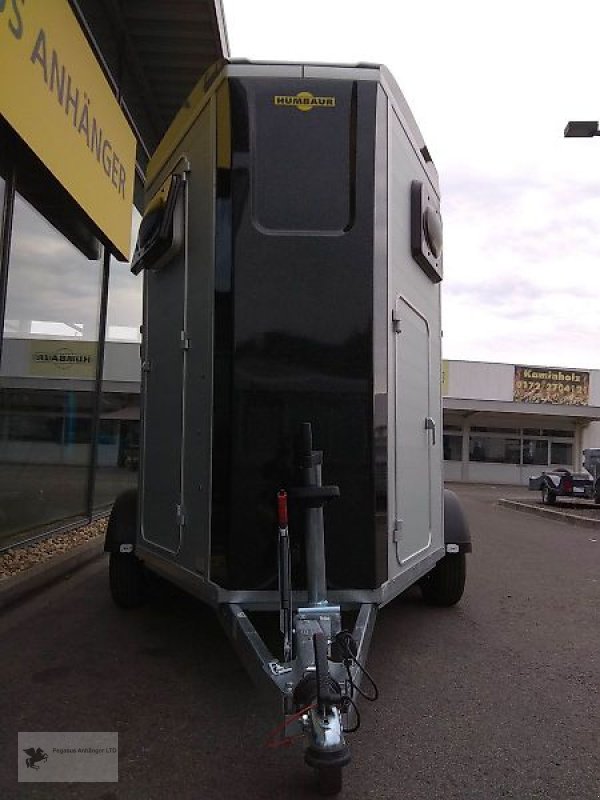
x,y
126,571
122,523
329,780
548,496
445,584
127,580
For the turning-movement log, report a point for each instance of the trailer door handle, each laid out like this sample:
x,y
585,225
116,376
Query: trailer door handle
x,y
430,426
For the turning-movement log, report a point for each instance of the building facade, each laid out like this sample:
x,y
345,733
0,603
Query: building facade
x,y
505,422
87,89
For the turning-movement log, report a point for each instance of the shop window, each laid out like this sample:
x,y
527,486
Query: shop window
x,y
561,454
119,425
47,375
53,292
535,451
452,447
505,431
124,312
30,427
118,446
494,449
44,457
548,432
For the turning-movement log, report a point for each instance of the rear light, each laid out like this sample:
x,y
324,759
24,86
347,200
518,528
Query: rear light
x,y
567,484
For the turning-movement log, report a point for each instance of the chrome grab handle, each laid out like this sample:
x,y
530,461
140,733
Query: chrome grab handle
x,y
430,426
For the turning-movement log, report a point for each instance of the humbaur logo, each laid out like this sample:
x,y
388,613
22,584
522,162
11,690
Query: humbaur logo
x,y
304,101
63,358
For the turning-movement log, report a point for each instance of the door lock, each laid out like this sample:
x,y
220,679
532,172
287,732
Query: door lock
x,y
430,426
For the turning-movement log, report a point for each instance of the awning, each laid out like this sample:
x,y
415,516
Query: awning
x,y
153,52
582,413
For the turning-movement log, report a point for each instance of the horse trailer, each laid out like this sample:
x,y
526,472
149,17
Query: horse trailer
x,y
290,446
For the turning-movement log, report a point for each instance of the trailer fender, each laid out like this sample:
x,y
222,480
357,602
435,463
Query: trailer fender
x,y
456,527
121,530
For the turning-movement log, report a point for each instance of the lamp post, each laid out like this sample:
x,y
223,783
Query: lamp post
x,y
581,130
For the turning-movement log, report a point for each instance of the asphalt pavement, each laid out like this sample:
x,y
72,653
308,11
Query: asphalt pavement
x,y
495,698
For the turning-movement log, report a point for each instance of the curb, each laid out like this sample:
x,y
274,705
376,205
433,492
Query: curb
x,y
557,516
18,587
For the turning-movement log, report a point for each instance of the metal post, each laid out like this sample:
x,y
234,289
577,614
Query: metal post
x,y
314,527
285,576
97,402
6,218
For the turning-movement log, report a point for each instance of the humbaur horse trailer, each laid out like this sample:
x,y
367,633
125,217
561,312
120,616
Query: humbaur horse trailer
x,y
291,454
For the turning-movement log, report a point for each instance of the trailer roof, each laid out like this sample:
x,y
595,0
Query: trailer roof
x,y
225,68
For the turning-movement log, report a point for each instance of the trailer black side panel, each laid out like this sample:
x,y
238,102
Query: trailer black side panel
x,y
293,323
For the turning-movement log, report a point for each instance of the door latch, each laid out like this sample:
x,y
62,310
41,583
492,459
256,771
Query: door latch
x,y
397,535
430,426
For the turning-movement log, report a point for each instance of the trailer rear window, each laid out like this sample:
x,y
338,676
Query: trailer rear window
x,y
303,170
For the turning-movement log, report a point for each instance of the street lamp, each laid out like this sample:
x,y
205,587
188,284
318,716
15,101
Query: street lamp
x,y
581,130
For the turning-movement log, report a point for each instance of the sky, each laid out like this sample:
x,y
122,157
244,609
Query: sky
x,y
492,86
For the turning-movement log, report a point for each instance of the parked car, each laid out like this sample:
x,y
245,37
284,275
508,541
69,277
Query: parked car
x,y
564,483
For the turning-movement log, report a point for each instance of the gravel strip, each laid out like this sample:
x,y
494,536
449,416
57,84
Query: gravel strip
x,y
18,559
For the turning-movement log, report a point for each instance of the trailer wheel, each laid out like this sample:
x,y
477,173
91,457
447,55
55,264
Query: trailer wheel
x,y
330,780
548,496
127,584
445,584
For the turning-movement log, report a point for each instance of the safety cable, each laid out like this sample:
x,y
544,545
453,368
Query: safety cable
x,y
348,647
346,702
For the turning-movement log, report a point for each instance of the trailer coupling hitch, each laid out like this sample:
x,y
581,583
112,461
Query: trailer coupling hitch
x,y
326,746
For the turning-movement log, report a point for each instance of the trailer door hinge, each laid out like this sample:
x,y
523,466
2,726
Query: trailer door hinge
x,y
397,530
396,321
180,515
146,366
185,342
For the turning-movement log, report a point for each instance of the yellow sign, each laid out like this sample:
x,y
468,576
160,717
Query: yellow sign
x,y
61,359
304,101
55,96
551,385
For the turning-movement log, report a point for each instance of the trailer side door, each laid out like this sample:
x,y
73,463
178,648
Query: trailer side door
x,y
414,434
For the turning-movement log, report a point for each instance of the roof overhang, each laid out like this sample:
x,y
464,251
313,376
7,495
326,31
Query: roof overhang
x,y
582,413
153,53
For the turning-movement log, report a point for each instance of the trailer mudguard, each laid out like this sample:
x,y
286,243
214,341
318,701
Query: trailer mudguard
x,y
456,527
122,523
